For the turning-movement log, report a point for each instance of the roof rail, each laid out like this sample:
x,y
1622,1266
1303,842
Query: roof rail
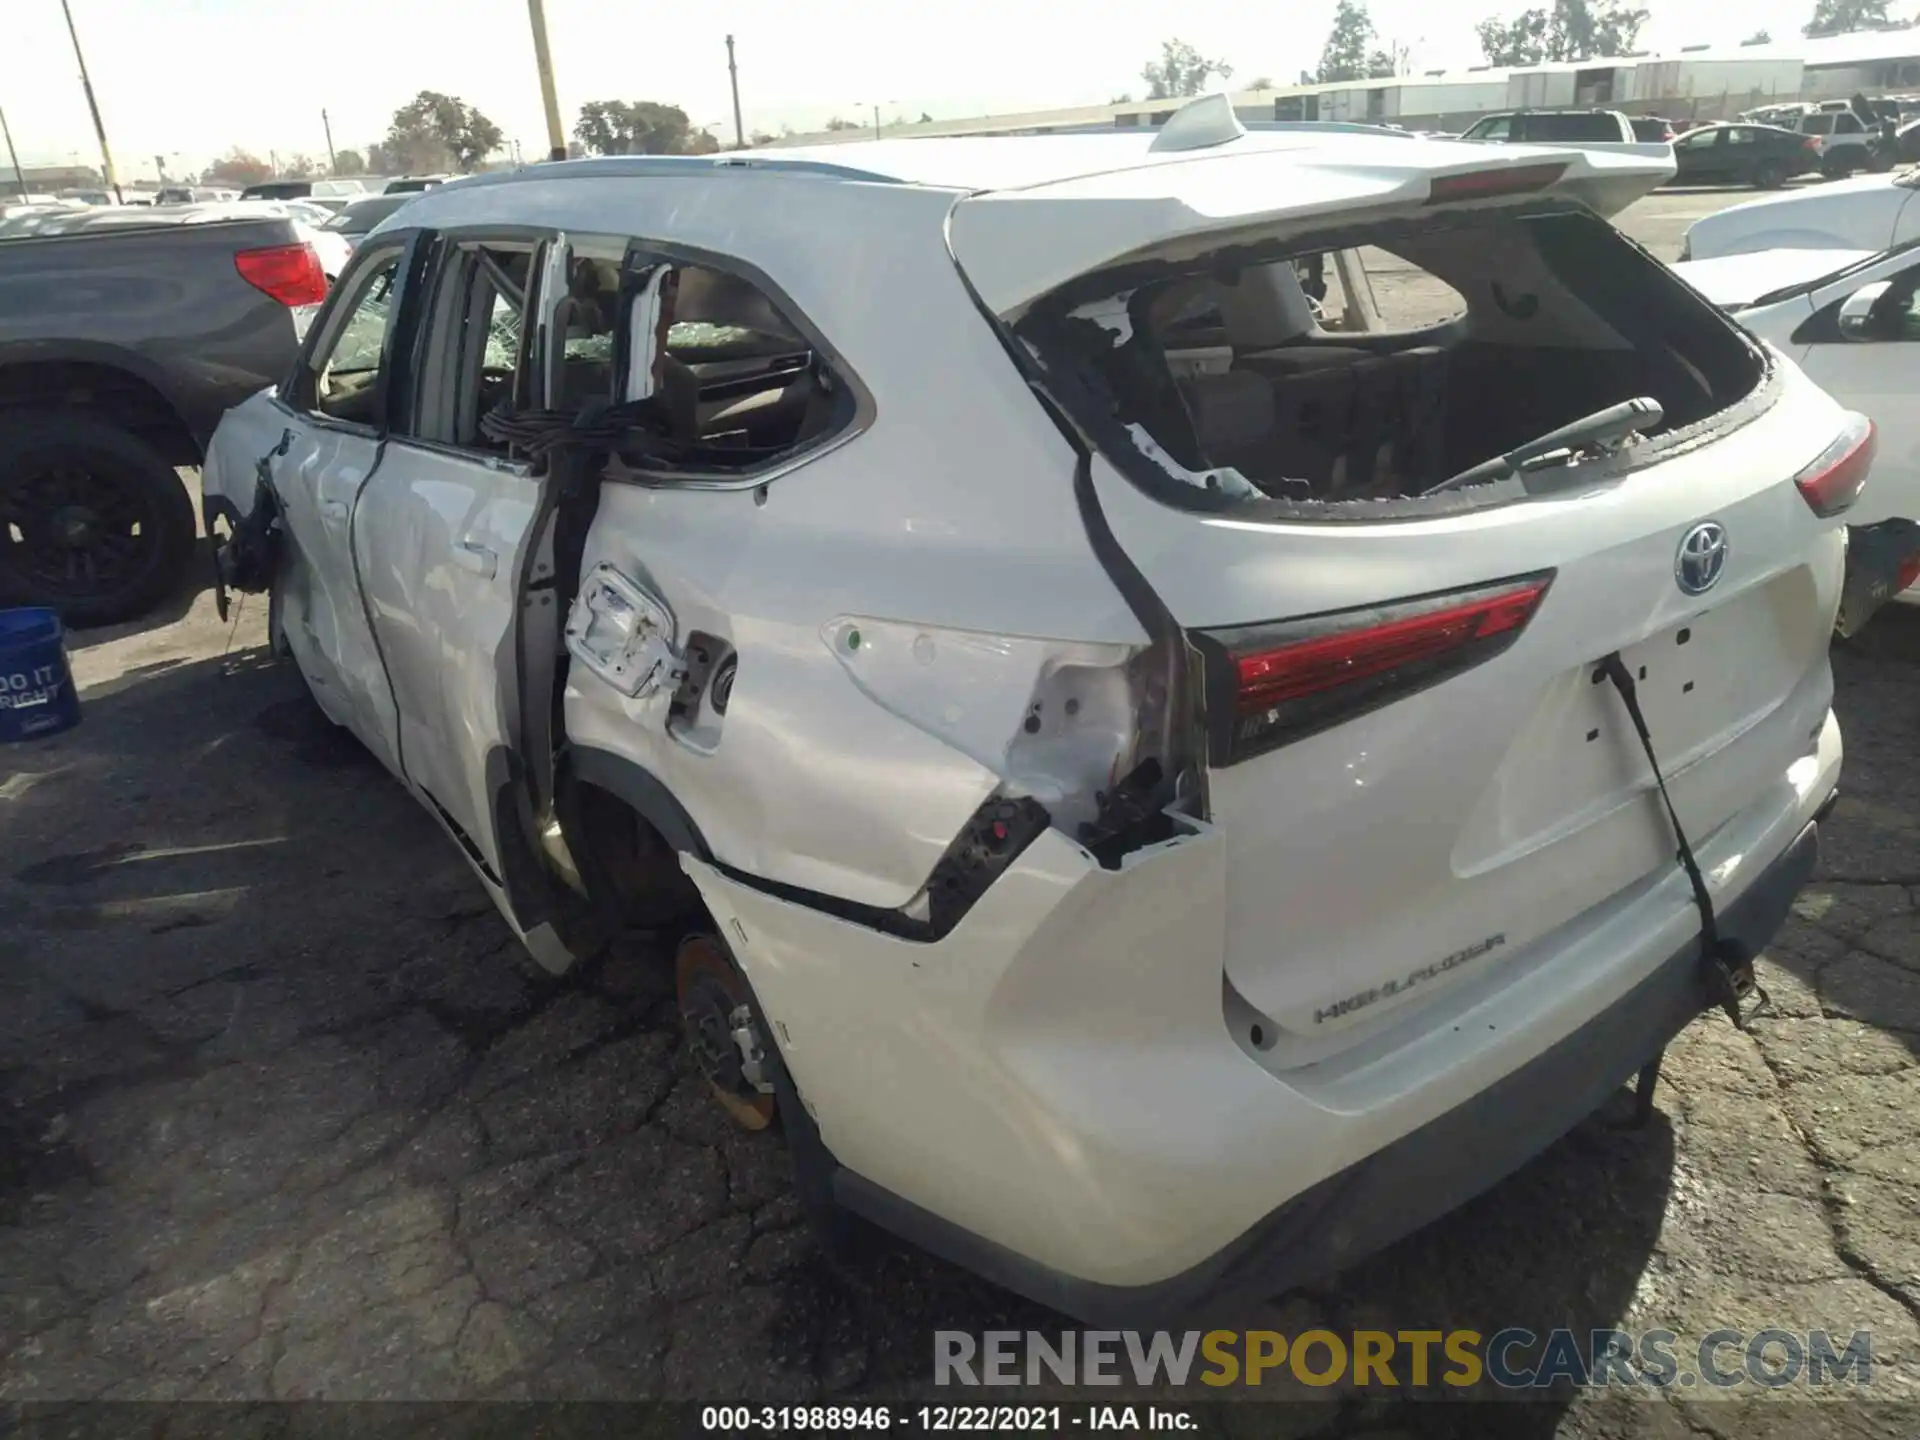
x,y
1199,125
646,167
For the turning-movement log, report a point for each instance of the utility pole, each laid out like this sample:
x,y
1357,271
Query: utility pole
x,y
327,125
876,122
543,59
99,130
273,162
13,157
733,79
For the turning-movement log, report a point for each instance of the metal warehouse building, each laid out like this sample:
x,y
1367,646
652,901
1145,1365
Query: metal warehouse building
x,y
1696,83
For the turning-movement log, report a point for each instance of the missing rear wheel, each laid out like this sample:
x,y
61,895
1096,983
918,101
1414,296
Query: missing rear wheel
x,y
722,1028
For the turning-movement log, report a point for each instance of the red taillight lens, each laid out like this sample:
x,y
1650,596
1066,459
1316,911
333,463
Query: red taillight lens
x,y
1482,184
291,274
1269,685
1810,143
1837,475
1909,573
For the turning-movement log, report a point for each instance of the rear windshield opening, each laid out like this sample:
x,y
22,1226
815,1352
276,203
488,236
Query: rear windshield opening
x,y
1377,371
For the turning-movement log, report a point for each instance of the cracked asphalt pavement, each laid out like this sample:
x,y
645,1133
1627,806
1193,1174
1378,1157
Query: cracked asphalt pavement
x,y
286,1114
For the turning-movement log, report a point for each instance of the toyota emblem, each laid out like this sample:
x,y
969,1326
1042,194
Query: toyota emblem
x,y
1702,556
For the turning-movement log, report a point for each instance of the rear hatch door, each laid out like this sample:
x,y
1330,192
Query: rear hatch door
x,y
1428,830
1409,749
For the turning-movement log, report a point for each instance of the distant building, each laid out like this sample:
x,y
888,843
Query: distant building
x,y
1698,82
49,178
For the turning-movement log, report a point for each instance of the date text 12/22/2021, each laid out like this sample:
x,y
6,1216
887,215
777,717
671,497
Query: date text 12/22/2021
x,y
940,1419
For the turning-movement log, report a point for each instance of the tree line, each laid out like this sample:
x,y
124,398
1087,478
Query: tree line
x,y
433,134
1565,30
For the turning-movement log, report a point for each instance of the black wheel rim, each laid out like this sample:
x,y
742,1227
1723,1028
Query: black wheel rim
x,y
72,531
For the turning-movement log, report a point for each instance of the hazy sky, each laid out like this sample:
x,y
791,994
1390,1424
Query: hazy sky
x,y
188,78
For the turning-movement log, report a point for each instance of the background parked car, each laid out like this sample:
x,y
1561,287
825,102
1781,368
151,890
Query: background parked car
x,y
1763,156
1869,213
26,218
1583,128
353,223
414,184
1852,323
124,334
193,194
1843,140
333,194
1906,141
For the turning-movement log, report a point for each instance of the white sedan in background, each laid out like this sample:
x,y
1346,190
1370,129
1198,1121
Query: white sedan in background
x,y
1871,213
1851,320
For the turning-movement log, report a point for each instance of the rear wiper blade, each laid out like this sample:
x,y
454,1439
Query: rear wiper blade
x,y
1604,429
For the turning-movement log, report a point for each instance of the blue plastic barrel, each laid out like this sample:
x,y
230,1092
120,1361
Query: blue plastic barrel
x,y
37,697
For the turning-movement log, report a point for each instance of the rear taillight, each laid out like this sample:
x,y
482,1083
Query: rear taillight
x,y
1835,478
1908,574
291,274
1482,184
1810,144
1269,685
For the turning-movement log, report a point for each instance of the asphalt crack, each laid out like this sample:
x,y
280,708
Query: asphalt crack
x,y
1831,1206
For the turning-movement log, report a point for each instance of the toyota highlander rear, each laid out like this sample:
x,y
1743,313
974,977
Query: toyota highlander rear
x,y
1378,890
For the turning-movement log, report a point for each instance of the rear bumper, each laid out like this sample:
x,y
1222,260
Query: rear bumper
x,y
1407,1183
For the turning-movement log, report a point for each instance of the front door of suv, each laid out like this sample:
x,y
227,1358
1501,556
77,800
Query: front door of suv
x,y
336,409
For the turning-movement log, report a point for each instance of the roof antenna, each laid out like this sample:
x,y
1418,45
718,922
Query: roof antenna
x,y
1199,125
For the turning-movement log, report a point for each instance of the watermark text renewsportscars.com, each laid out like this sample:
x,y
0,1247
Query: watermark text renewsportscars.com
x,y
1507,1359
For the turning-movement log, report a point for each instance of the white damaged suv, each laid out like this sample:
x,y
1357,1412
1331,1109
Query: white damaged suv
x,y
1152,786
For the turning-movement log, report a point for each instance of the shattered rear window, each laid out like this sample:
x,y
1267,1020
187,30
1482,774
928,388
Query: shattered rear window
x,y
1250,378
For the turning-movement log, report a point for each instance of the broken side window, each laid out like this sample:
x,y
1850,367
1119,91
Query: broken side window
x,y
474,350
731,379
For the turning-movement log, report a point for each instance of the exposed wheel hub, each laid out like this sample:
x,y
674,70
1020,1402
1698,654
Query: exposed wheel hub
x,y
723,1032
76,527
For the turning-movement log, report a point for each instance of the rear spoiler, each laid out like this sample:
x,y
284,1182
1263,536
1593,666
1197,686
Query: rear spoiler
x,y
1618,175
1220,179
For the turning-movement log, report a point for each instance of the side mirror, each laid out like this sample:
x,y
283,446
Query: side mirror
x,y
1857,320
